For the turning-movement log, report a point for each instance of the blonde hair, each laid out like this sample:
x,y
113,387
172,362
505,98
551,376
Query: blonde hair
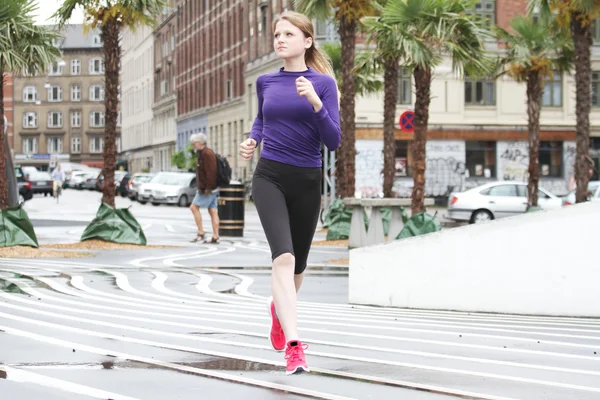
x,y
314,58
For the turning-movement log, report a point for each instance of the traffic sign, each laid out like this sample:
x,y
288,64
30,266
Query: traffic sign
x,y
407,121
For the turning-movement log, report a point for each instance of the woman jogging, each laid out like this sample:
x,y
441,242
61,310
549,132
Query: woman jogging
x,y
297,112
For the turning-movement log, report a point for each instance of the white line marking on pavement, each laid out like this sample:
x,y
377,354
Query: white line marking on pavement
x,y
169,228
17,375
308,340
264,347
176,367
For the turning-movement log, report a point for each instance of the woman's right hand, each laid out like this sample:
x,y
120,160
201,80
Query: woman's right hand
x,y
247,148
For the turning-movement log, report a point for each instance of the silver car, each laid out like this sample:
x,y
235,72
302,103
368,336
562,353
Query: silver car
x,y
169,188
136,182
496,200
593,188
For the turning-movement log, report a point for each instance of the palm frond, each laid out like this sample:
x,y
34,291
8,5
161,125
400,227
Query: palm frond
x,y
314,8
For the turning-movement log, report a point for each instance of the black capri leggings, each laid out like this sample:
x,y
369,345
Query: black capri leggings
x,y
288,201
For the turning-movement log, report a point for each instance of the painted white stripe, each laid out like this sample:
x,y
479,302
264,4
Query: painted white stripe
x,y
367,310
238,321
176,367
222,249
169,228
18,375
314,353
307,339
246,315
140,262
392,312
243,286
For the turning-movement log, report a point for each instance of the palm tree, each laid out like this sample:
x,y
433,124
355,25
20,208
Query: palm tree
x,y
347,14
386,56
112,16
535,51
367,79
429,32
24,46
577,16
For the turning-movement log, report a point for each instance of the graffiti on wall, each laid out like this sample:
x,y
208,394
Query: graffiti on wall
x,y
512,160
369,168
445,167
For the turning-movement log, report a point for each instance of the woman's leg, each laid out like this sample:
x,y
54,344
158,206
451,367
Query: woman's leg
x,y
273,214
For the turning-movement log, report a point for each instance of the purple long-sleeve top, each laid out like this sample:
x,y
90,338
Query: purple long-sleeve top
x,y
291,131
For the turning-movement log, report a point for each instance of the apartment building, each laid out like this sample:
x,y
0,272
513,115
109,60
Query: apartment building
x,y
60,116
211,60
137,90
477,129
165,89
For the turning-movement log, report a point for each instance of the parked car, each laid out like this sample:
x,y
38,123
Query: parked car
x,y
118,176
135,182
496,200
79,177
41,182
593,188
90,181
24,186
123,188
169,188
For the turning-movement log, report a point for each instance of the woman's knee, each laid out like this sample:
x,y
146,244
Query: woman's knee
x,y
284,260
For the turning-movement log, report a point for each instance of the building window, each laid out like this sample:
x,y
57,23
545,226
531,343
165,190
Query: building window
x,y
29,94
75,93
595,88
487,10
96,66
404,86
550,158
75,119
30,120
97,119
97,40
76,145
96,93
481,159
480,93
596,30
119,118
55,119
228,89
55,93
30,145
403,161
118,143
54,145
56,68
552,96
96,144
75,67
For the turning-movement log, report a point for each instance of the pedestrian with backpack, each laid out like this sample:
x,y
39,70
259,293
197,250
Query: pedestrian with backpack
x,y
206,196
297,111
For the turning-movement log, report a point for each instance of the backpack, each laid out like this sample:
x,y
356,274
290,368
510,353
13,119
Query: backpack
x,y
223,171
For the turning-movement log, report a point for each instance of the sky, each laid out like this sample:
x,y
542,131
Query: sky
x,y
48,7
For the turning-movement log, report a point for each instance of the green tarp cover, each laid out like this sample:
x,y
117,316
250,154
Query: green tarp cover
x,y
114,225
16,228
338,220
420,224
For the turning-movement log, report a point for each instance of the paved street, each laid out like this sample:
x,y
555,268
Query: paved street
x,y
191,322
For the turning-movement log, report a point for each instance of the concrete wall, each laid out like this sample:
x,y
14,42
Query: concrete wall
x,y
525,264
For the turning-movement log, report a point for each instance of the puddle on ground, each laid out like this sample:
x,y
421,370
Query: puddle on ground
x,y
230,364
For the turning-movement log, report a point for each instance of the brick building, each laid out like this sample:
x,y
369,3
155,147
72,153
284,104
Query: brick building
x,y
211,60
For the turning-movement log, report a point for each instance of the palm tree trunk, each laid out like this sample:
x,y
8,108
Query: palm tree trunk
x,y
3,176
423,99
583,73
112,52
345,164
390,83
534,99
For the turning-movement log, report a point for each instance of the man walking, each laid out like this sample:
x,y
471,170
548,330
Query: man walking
x,y
206,197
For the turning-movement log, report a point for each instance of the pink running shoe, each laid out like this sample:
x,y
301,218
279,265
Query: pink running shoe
x,y
276,335
296,361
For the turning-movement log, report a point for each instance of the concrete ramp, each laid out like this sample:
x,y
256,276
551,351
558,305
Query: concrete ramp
x,y
545,263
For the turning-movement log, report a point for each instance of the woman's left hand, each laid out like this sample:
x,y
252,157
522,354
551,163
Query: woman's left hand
x,y
305,88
